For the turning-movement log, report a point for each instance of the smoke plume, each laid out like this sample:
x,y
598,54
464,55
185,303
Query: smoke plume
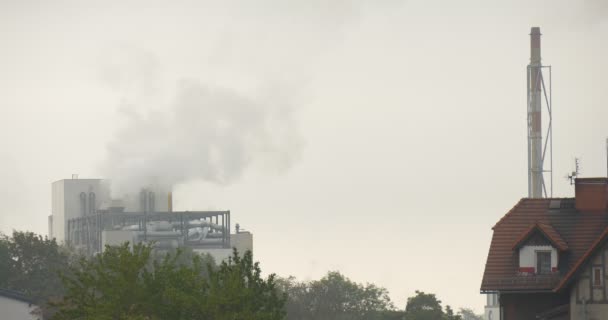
x,y
207,133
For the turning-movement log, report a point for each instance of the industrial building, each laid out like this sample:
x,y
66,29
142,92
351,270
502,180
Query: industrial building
x,y
87,217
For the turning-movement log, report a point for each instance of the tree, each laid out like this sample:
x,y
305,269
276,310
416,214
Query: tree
x,y
423,306
31,264
236,290
468,314
125,282
336,297
449,314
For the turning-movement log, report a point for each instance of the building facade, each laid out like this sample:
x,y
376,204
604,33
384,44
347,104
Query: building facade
x,y
547,258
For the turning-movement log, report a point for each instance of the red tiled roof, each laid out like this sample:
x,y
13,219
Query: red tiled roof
x,y
596,245
549,233
577,230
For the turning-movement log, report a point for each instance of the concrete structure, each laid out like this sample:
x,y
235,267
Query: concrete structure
x,y
85,216
72,198
14,305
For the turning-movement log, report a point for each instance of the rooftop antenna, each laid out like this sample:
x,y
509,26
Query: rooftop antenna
x,y
607,157
537,151
572,176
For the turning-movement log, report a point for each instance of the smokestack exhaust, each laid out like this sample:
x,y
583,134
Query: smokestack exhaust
x,y
535,144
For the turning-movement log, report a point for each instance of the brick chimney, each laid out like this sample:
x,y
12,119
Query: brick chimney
x,y
591,194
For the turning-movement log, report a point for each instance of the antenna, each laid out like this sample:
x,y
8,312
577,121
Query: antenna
x,y
607,157
572,177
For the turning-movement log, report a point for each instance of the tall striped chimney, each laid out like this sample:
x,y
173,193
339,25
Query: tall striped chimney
x,y
535,150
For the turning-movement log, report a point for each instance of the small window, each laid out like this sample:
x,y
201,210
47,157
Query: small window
x,y
543,262
597,276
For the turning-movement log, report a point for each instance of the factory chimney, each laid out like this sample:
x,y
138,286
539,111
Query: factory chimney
x,y
535,149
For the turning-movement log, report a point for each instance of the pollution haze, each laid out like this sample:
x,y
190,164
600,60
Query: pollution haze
x,y
382,139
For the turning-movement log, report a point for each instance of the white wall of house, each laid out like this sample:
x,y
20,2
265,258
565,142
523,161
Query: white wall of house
x,y
527,256
15,309
492,308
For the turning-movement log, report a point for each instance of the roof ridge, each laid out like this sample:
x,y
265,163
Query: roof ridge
x,y
509,212
16,295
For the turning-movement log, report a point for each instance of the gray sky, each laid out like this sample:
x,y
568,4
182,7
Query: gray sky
x,y
390,135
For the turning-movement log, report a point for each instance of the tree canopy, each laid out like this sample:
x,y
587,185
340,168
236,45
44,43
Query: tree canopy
x,y
125,283
137,282
30,264
335,297
423,306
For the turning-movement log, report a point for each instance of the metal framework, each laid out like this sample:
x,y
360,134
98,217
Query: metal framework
x,y
86,232
536,79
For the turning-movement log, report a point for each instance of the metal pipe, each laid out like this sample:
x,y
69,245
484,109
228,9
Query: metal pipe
x,y
83,204
170,202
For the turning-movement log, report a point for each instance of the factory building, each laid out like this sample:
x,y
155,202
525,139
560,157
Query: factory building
x,y
87,217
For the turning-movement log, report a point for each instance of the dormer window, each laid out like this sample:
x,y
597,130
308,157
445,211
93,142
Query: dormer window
x,y
539,247
543,262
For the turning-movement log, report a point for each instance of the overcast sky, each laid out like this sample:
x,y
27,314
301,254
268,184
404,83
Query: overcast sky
x,y
382,138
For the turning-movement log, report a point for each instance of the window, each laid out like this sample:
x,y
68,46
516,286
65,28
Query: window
x,y
597,276
543,262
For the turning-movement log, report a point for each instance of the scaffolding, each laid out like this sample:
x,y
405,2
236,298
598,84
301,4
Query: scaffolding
x,y
85,233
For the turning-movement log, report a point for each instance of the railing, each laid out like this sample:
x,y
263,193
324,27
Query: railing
x,y
529,280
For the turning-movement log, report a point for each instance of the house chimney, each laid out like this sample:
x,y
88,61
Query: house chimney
x,y
591,194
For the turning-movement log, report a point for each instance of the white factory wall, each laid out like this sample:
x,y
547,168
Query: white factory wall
x,y
15,309
117,237
218,254
527,256
242,241
66,201
57,209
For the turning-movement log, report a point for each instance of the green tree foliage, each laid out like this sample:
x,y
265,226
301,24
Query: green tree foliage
x,y
450,315
236,290
468,314
423,306
126,283
31,264
336,297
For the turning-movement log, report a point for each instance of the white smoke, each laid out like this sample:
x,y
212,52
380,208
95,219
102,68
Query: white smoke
x,y
207,133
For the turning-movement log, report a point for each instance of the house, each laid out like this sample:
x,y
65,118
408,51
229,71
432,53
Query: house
x,y
14,305
548,258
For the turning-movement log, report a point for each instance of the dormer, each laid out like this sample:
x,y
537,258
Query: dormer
x,y
539,247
